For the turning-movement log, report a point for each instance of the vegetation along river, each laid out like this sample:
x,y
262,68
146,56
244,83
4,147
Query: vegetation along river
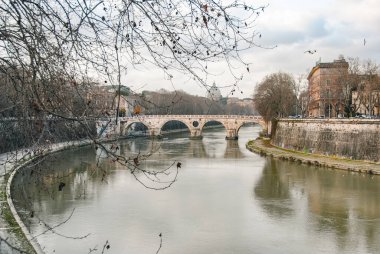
x,y
225,200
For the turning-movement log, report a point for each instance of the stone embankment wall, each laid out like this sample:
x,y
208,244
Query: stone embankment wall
x,y
357,139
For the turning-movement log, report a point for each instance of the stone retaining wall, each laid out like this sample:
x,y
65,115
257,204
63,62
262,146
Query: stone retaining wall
x,y
16,165
357,139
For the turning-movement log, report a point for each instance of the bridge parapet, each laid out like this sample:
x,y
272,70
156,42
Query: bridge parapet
x,y
192,116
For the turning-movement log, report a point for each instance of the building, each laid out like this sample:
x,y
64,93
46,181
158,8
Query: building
x,y
214,93
105,101
326,98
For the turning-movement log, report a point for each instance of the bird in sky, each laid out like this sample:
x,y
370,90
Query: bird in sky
x,y
310,51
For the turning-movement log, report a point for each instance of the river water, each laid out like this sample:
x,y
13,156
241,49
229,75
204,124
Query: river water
x,y
225,200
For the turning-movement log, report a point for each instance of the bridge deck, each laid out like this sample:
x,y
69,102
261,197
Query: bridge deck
x,y
195,116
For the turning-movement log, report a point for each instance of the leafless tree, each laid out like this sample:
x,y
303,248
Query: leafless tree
x,y
348,82
53,53
371,89
179,102
359,86
304,99
300,87
275,96
50,52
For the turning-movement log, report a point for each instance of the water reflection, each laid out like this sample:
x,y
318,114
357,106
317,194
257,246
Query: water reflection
x,y
335,202
36,188
233,150
179,145
226,200
274,192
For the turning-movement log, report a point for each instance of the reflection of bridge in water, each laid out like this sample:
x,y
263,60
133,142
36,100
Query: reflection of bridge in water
x,y
195,123
173,147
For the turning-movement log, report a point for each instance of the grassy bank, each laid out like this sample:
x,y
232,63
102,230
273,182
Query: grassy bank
x,y
265,148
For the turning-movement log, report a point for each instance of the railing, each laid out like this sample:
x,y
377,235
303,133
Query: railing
x,y
135,117
194,116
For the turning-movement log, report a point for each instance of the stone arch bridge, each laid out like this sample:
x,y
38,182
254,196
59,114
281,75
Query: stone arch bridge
x,y
194,123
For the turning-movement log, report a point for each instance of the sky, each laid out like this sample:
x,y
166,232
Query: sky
x,y
331,27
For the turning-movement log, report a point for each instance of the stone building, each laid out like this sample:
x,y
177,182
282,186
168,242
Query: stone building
x,y
214,93
326,98
105,101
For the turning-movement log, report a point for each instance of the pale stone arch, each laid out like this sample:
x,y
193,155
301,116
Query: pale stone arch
x,y
125,126
162,124
261,124
174,120
202,125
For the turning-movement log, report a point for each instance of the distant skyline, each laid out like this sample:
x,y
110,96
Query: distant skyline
x,y
329,27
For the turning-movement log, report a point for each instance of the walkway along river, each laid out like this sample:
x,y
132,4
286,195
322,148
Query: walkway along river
x,y
225,200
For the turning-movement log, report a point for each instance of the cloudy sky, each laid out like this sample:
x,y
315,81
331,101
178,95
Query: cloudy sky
x,y
331,27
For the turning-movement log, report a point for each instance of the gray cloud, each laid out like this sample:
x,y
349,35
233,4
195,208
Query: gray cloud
x,y
332,27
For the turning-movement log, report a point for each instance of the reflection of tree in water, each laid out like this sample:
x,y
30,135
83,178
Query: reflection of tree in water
x,y
139,145
272,192
344,203
37,193
338,202
85,170
36,188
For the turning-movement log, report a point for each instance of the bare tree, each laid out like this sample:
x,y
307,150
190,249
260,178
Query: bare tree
x,y
348,81
300,87
359,86
179,102
304,99
370,80
52,53
275,96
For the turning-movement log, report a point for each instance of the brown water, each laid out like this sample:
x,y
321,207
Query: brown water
x,y
225,200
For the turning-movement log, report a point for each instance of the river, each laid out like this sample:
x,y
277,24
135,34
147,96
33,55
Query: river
x,y
225,200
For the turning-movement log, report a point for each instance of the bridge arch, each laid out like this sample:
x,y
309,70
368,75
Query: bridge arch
x,y
141,125
262,125
165,123
208,121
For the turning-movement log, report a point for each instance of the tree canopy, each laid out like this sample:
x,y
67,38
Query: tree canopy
x,y
275,96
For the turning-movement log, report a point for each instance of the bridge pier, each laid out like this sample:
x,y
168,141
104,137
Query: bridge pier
x,y
232,134
195,134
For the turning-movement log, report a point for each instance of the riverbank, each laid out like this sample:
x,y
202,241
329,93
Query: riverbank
x,y
12,238
14,235
263,147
